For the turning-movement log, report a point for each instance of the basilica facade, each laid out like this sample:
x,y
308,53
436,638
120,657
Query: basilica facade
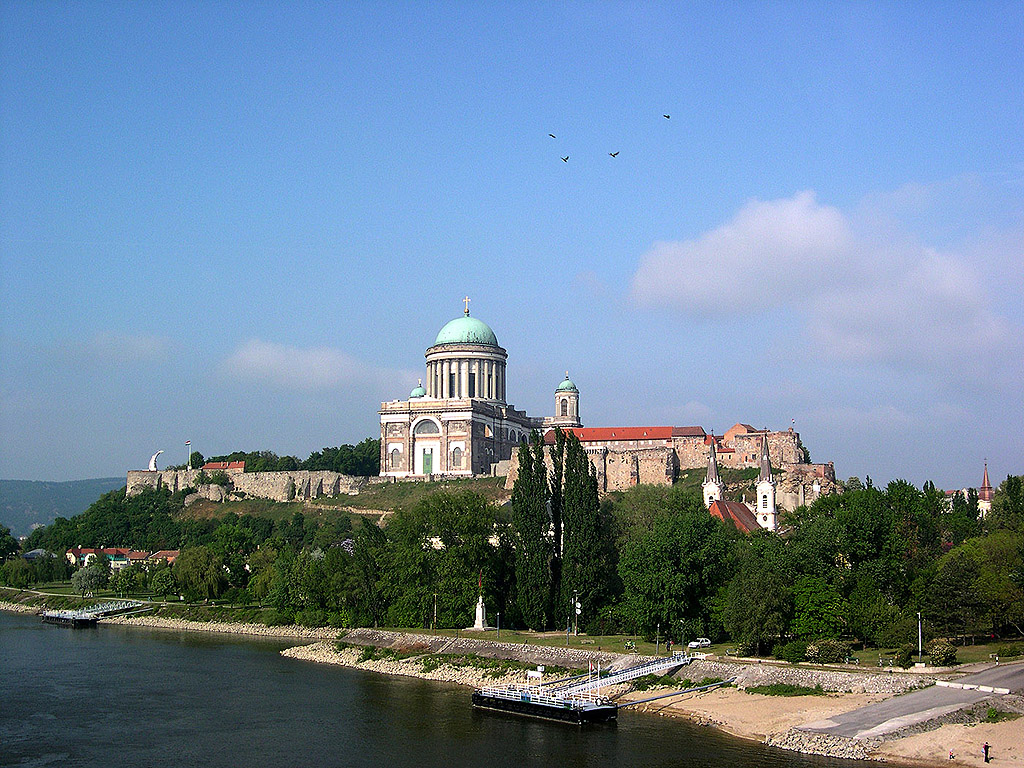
x,y
457,421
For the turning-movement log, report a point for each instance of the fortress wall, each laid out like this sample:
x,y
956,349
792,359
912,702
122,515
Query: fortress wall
x,y
276,486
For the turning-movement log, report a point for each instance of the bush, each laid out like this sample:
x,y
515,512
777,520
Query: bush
x,y
942,653
786,689
311,617
904,656
792,652
828,651
1010,651
273,618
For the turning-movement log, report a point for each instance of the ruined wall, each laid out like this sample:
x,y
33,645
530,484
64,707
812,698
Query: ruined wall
x,y
276,486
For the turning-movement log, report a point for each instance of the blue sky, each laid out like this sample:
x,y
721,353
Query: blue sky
x,y
242,224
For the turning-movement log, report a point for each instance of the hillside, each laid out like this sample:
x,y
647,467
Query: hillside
x,y
28,503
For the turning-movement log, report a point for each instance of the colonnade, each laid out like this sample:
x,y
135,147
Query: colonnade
x,y
449,379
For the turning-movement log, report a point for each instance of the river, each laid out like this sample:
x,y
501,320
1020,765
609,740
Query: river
x,y
130,696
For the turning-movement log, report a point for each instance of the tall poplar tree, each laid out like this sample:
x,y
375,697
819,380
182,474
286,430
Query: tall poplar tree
x,y
585,566
530,525
557,473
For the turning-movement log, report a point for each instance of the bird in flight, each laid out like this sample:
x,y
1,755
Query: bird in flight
x,y
667,117
613,154
565,159
552,135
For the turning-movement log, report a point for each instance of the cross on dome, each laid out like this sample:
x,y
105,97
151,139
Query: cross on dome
x,y
466,302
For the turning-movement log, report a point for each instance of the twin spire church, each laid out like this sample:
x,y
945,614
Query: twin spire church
x,y
458,423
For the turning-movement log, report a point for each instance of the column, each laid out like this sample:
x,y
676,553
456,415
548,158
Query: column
x,y
463,377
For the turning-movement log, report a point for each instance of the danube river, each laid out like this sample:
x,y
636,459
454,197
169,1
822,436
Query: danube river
x,y
129,696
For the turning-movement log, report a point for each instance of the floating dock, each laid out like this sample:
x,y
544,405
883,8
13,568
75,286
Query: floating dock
x,y
573,708
87,617
73,619
575,700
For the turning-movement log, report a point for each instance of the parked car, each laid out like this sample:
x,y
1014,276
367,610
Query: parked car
x,y
700,642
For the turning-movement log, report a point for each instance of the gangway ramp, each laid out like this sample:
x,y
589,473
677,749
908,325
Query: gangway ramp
x,y
631,673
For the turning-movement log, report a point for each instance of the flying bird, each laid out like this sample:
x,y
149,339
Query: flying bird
x,y
565,159
613,154
667,117
552,136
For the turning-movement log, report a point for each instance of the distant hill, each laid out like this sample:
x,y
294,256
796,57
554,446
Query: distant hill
x,y
24,503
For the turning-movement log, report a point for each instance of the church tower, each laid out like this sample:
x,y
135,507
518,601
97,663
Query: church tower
x,y
764,510
713,486
567,405
985,495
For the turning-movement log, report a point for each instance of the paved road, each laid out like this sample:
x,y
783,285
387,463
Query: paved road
x,y
919,706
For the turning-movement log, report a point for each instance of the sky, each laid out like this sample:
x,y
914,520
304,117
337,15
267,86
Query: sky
x,y
242,224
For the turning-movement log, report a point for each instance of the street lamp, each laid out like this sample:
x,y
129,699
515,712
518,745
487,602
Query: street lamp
x,y
657,640
498,635
919,639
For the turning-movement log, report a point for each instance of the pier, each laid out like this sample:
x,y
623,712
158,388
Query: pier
x,y
575,699
88,617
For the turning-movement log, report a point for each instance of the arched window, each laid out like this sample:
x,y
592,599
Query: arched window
x,y
565,407
457,458
512,436
395,458
764,501
427,427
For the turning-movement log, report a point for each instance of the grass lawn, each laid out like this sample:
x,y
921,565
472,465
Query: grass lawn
x,y
390,496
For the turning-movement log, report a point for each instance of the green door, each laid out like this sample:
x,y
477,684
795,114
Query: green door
x,y
428,462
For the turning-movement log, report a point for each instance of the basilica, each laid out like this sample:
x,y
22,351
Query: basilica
x,y
456,422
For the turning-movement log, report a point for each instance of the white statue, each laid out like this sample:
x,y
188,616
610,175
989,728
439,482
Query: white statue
x,y
152,462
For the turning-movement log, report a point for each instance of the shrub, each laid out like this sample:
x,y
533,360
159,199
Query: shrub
x,y
1010,651
273,618
786,689
828,651
904,656
311,617
792,652
219,478
942,653
996,716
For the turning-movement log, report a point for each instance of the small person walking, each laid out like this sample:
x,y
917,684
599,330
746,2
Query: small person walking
x,y
951,754
985,750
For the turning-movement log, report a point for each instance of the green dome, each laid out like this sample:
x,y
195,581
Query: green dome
x,y
418,391
566,385
466,330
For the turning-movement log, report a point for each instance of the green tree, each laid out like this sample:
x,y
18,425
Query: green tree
x,y
1008,505
162,582
759,600
672,571
9,546
587,562
818,608
533,548
89,579
200,572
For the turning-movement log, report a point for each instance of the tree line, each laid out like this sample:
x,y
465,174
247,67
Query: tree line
x,y
362,460
856,566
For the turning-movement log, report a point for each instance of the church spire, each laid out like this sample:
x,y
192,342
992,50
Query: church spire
x,y
985,492
712,475
766,464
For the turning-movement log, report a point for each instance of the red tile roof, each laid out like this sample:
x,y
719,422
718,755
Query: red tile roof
x,y
736,513
613,434
224,465
688,432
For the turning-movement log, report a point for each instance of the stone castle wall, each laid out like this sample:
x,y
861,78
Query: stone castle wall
x,y
276,486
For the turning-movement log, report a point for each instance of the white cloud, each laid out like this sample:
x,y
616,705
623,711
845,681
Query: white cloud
x,y
308,369
767,255
866,289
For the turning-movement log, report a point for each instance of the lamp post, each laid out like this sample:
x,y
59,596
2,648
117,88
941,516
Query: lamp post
x,y
497,635
919,654
434,625
657,640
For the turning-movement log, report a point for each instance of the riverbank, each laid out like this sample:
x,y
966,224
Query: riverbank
x,y
471,661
